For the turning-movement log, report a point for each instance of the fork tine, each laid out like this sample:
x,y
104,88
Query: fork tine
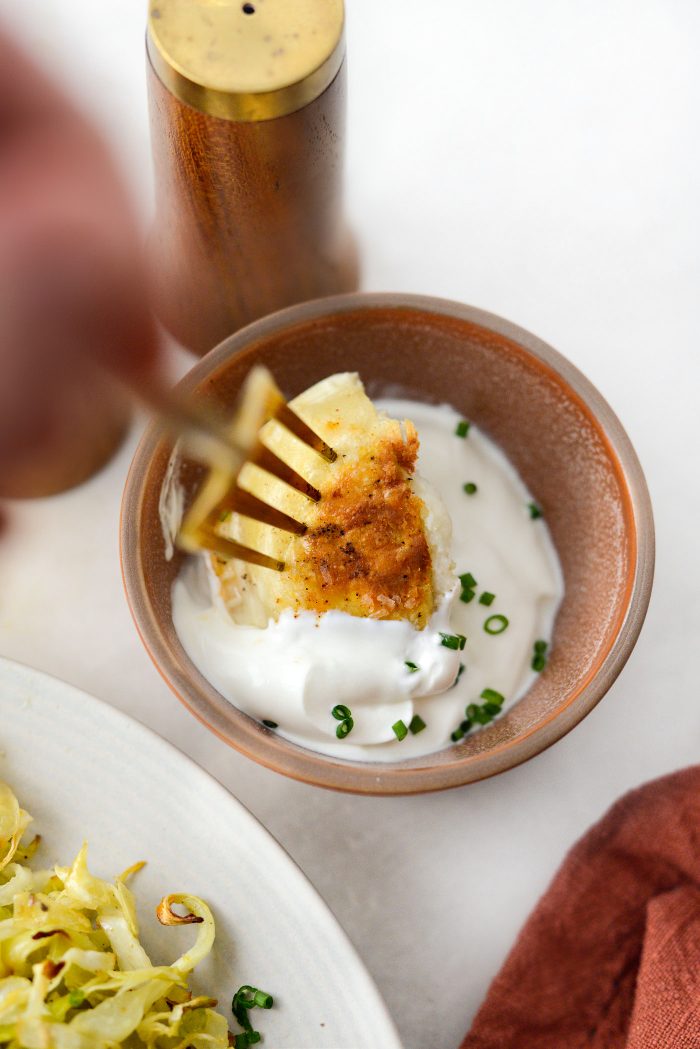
x,y
229,548
268,461
299,428
241,502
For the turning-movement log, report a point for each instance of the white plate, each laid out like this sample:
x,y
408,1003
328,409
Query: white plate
x,y
86,771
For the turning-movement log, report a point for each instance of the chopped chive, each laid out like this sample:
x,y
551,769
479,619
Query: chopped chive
x,y
462,428
345,728
539,658
245,998
465,725
467,595
412,667
467,580
487,598
483,716
269,724
492,708
417,724
492,696
76,998
471,711
341,712
454,641
496,624
456,735
400,730
535,511
470,488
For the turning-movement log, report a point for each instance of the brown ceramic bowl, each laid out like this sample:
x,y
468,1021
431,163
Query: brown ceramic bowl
x,y
556,429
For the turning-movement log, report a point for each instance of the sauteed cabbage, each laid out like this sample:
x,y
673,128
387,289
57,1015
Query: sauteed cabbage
x,y
73,974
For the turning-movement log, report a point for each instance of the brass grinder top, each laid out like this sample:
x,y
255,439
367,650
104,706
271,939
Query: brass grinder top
x,y
246,61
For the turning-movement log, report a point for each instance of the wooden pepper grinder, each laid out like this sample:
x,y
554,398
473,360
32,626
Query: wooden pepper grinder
x,y
247,122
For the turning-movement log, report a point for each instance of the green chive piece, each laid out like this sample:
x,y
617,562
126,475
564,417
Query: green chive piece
x,y
468,581
245,998
270,724
417,724
345,728
470,488
467,596
483,717
492,696
535,511
412,667
462,428
492,708
471,711
459,674
465,725
76,998
341,712
400,730
454,641
456,735
496,624
487,598
539,658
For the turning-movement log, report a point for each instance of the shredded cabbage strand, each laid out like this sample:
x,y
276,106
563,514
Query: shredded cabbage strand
x,y
73,973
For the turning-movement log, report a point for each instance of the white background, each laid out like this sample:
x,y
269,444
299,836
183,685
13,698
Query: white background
x,y
540,160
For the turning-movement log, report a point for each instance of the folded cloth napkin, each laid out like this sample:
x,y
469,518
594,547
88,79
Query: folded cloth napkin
x,y
610,957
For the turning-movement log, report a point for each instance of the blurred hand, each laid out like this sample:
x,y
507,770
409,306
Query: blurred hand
x,y
72,280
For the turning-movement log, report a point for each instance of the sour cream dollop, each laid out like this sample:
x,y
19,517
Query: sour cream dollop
x,y
294,671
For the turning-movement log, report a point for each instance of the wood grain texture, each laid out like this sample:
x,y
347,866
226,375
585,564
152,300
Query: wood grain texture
x,y
248,214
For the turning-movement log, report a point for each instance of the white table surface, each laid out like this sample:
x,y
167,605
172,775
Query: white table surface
x,y
539,160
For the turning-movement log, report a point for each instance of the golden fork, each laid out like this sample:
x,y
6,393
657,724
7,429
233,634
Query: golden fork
x,y
225,449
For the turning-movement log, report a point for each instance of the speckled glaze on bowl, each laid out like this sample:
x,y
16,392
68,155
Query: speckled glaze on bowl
x,y
556,429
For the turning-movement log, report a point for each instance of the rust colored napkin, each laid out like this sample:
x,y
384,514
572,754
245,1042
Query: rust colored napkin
x,y
610,957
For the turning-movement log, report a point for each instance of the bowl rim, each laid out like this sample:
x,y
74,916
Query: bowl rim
x,y
389,778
